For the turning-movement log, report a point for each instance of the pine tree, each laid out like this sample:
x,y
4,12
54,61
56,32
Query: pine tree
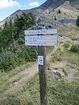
x,y
24,22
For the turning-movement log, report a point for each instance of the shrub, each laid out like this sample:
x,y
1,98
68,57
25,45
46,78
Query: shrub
x,y
77,21
59,11
9,60
74,48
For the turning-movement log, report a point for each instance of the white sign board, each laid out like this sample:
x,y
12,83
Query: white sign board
x,y
42,31
40,60
48,40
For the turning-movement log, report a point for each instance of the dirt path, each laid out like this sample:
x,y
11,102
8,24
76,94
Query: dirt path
x,y
18,81
28,72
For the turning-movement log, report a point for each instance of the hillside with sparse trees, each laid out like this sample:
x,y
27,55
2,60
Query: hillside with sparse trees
x,y
19,74
13,52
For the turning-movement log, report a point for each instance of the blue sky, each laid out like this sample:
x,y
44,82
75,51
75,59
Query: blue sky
x,y
7,7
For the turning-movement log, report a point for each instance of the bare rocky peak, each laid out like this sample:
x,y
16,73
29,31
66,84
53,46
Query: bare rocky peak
x,y
52,4
56,3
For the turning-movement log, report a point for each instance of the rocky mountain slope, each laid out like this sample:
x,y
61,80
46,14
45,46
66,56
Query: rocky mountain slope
x,y
56,3
47,11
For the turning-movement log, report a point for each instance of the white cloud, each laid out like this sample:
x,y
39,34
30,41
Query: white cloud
x,y
8,3
34,4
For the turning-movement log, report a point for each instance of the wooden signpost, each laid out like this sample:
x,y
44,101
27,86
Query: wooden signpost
x,y
41,38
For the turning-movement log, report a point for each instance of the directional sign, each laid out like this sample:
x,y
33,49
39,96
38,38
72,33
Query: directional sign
x,y
41,38
42,31
48,40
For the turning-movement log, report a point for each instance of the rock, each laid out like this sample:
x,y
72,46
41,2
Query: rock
x,y
56,75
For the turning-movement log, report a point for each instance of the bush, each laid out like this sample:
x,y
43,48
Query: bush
x,y
57,56
9,60
59,11
77,21
74,48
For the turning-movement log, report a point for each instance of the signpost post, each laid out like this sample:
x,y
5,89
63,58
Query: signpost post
x,y
42,75
44,37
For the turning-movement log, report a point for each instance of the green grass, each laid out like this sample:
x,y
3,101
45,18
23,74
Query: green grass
x,y
59,93
5,76
73,58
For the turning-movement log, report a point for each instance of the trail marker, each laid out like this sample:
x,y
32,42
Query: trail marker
x,y
41,38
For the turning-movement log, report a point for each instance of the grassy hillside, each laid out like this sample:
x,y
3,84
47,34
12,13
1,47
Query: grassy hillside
x,y
64,91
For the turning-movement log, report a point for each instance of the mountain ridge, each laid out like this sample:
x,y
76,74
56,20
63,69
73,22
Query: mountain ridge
x,y
49,5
